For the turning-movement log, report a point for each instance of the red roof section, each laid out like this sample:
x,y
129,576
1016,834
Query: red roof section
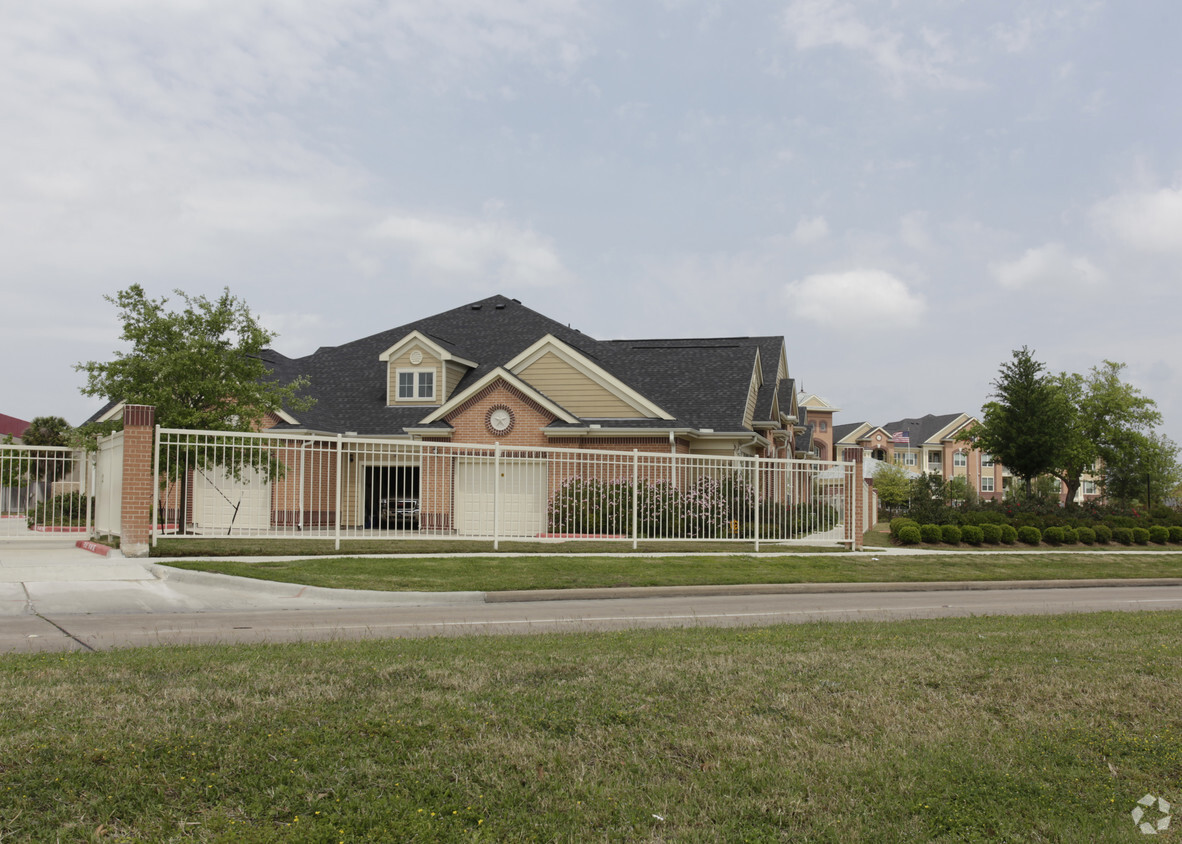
x,y
11,426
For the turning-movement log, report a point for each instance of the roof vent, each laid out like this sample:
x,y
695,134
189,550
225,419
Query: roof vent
x,y
500,306
476,307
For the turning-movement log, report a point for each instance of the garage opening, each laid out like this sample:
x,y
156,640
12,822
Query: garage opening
x,y
392,497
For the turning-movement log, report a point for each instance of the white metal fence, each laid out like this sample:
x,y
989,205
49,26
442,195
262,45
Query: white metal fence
x,y
342,488
44,492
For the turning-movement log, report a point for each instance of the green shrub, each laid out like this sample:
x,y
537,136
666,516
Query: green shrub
x,y
1123,535
1175,534
909,535
1141,536
1009,535
67,509
972,534
1103,534
1086,535
991,533
950,534
1159,534
931,534
1052,535
1030,534
897,524
1070,536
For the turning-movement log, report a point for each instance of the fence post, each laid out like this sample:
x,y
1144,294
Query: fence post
x,y
497,497
635,493
138,484
155,485
757,504
340,480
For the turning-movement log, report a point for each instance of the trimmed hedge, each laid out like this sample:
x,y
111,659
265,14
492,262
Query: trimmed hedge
x,y
1009,534
1030,535
972,534
909,535
991,533
1141,536
931,534
901,522
1103,534
1086,535
1123,535
1175,534
950,534
1052,536
1159,534
1070,536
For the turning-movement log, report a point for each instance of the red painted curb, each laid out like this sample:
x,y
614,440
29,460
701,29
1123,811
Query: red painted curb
x,y
93,547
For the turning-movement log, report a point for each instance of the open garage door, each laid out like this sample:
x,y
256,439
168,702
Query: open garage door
x,y
223,505
522,497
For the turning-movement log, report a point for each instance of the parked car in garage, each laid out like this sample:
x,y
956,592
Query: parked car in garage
x,y
399,512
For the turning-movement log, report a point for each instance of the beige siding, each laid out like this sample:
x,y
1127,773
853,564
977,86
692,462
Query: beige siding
x,y
561,382
429,361
752,395
455,372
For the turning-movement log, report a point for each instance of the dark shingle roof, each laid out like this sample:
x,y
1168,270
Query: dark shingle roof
x,y
702,383
921,428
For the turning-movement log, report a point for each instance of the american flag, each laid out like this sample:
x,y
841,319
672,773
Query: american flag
x,y
901,437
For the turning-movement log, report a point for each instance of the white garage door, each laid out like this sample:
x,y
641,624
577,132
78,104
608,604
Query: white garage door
x,y
521,498
223,505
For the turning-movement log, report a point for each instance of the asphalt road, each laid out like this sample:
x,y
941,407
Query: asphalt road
x,y
83,632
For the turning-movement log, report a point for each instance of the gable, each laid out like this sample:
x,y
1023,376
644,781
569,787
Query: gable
x,y
575,362
575,390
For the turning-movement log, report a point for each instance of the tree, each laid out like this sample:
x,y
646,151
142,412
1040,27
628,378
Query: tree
x,y
1025,423
1107,421
21,467
201,367
893,485
1143,467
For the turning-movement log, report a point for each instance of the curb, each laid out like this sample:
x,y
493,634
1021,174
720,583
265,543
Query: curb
x,y
95,548
621,592
296,591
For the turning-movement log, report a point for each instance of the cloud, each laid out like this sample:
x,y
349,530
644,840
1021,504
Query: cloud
x,y
814,24
1046,266
810,230
476,250
855,300
1149,221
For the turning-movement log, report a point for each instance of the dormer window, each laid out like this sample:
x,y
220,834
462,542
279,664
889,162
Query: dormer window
x,y
416,385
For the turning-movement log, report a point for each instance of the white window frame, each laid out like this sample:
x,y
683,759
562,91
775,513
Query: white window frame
x,y
1087,487
986,461
987,484
416,374
908,458
959,460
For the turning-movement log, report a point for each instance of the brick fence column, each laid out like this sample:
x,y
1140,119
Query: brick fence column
x,y
138,484
855,499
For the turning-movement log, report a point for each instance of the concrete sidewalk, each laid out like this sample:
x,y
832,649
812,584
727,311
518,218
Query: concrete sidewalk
x,y
57,578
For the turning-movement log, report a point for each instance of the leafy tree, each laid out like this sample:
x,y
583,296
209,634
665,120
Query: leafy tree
x,y
959,489
21,467
893,485
1143,467
1106,422
202,367
1025,423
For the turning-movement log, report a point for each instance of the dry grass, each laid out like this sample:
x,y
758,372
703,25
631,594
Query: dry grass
x,y
1024,729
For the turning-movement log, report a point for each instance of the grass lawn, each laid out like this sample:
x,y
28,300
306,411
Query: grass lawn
x,y
494,574
246,547
1017,729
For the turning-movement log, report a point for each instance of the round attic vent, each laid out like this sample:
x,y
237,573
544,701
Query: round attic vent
x,y
416,357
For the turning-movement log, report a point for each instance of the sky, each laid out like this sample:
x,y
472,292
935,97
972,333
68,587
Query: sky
x,y
907,190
